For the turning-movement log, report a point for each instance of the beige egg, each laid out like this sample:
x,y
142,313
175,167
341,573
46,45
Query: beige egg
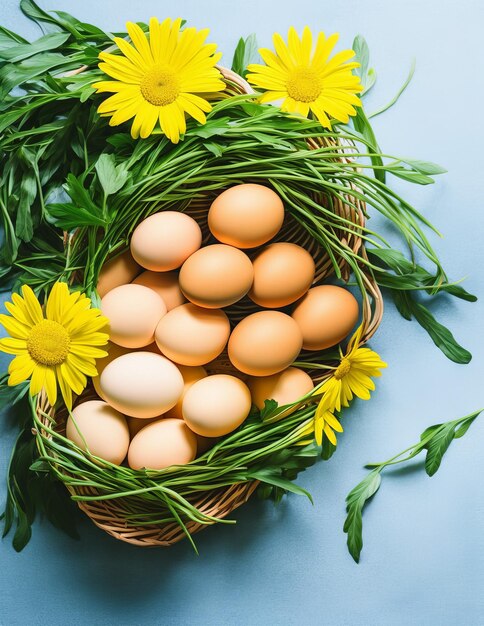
x,y
141,384
190,376
163,241
133,312
119,270
165,284
284,387
191,335
216,405
283,272
113,352
162,444
246,216
325,316
216,276
264,343
99,428
135,424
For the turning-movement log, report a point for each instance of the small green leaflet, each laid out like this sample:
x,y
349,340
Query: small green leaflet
x,y
355,501
362,52
245,53
112,177
435,439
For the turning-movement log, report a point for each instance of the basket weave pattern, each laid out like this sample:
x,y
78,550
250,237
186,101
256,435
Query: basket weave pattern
x,y
110,515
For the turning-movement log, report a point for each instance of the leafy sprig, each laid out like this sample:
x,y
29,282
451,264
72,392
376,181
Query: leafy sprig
x,y
435,440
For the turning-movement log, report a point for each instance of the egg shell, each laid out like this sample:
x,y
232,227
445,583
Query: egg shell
x,y
264,343
117,271
284,387
166,286
190,376
283,272
162,444
133,312
191,335
135,424
216,276
163,241
246,216
216,405
141,384
102,428
113,352
325,315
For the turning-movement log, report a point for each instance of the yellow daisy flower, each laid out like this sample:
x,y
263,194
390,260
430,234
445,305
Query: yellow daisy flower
x,y
61,347
308,80
353,376
324,423
159,77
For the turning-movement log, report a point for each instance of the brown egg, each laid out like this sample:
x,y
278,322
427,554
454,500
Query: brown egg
x,y
133,312
283,272
190,335
190,376
284,387
141,384
216,276
166,286
119,270
325,316
162,444
216,405
163,241
100,429
246,216
264,343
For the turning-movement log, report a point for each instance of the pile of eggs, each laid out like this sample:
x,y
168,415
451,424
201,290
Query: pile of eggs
x,y
164,299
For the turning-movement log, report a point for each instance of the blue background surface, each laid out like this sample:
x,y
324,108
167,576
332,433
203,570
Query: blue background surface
x,y
423,558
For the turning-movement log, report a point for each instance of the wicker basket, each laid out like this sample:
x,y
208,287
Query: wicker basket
x,y
219,503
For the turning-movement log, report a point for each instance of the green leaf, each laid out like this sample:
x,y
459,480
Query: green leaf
x,y
437,447
15,75
23,532
362,53
363,126
267,476
70,216
436,439
424,167
270,407
28,190
24,51
355,502
245,53
440,335
111,176
411,176
8,38
463,428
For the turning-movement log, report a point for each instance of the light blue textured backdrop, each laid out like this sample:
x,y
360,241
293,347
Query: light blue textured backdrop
x,y
423,558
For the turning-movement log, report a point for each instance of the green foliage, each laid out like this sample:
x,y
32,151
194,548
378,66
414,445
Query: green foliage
x,y
435,440
245,53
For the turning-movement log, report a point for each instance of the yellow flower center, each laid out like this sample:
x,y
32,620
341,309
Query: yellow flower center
x,y
160,86
342,369
304,85
48,343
